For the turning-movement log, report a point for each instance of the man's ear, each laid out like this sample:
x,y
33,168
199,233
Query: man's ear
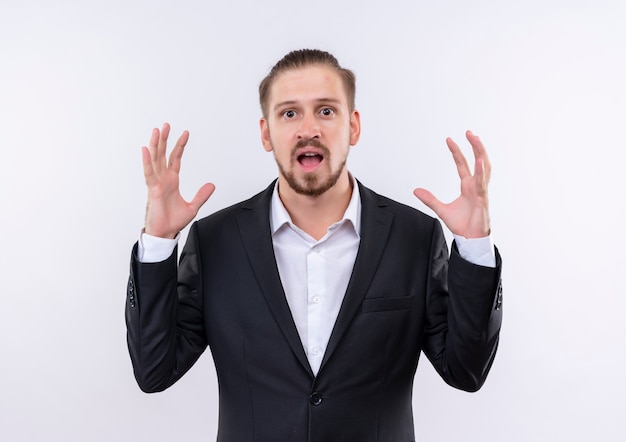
x,y
355,127
265,135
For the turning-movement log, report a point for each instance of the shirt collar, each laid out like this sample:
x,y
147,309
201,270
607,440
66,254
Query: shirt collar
x,y
279,215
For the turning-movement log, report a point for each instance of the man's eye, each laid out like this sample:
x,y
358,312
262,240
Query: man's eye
x,y
289,114
327,112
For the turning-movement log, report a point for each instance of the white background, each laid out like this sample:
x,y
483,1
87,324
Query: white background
x,y
82,83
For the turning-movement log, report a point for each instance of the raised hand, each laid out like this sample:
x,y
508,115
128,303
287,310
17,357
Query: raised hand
x,y
468,215
167,213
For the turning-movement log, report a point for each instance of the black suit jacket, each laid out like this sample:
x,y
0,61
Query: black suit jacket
x,y
405,296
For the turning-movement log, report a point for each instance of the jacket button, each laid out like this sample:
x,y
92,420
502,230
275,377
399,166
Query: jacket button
x,y
316,399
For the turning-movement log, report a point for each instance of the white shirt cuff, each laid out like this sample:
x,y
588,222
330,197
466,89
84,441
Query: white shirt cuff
x,y
479,251
154,249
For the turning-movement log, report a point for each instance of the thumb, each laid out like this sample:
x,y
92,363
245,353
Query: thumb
x,y
202,196
428,199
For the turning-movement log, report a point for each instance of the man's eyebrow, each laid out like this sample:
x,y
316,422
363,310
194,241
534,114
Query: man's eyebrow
x,y
318,100
284,103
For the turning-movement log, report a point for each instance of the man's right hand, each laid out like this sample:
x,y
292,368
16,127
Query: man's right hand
x,y
167,212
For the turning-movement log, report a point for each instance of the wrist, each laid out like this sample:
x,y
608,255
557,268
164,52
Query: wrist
x,y
159,234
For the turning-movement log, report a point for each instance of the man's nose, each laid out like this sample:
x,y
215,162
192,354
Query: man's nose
x,y
309,127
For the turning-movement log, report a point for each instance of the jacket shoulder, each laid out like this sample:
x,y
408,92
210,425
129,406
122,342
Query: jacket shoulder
x,y
259,201
404,211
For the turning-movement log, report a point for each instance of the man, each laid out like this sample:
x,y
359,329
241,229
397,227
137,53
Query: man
x,y
317,295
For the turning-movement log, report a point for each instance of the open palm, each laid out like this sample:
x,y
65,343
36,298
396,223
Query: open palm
x,y
167,213
467,215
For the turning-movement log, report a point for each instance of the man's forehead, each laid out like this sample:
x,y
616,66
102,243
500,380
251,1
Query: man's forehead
x,y
308,83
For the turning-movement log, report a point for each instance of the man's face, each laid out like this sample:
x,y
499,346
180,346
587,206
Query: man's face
x,y
310,128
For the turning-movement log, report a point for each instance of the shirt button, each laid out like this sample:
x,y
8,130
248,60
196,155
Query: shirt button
x,y
315,351
316,399
317,299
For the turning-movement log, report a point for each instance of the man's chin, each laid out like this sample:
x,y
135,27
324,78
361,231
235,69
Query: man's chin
x,y
311,186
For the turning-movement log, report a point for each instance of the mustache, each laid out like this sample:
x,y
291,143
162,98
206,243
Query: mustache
x,y
313,142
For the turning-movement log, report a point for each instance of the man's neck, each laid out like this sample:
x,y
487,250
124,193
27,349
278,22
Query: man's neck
x,y
315,214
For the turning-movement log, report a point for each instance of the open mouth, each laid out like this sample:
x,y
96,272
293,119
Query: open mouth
x,y
310,160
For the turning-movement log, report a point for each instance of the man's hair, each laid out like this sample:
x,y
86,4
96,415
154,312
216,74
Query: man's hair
x,y
304,58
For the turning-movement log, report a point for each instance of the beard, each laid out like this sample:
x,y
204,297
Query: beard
x,y
313,184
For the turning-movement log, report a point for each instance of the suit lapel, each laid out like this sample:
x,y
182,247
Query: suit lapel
x,y
254,226
375,226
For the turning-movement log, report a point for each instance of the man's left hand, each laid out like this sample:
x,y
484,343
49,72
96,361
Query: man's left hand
x,y
468,215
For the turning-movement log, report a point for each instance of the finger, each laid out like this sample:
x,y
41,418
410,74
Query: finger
x,y
480,153
153,144
177,152
160,159
480,177
428,199
459,159
148,170
201,197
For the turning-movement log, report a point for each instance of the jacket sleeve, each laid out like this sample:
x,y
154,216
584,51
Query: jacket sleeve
x,y
463,316
164,317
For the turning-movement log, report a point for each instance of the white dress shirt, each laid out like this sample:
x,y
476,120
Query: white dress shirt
x,y
315,273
